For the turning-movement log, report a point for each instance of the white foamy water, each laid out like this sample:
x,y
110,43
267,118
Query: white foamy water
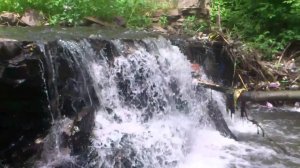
x,y
152,116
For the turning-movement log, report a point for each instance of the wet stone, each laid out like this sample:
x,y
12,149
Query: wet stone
x,y
9,50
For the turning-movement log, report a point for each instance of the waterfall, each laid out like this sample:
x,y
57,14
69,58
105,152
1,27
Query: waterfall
x,y
134,104
149,107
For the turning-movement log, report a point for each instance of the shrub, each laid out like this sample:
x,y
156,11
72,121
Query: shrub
x,y
136,12
266,24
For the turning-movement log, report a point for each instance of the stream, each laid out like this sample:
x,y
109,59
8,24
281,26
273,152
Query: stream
x,y
148,112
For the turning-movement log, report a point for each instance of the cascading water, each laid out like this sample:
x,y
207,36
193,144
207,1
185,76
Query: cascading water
x,y
149,107
149,113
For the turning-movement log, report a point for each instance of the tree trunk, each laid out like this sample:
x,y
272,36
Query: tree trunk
x,y
258,96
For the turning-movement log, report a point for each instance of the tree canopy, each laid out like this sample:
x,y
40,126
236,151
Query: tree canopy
x,y
267,25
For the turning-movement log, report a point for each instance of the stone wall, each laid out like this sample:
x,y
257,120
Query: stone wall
x,y
198,7
24,112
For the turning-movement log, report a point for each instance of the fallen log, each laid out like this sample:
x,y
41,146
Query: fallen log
x,y
259,96
254,96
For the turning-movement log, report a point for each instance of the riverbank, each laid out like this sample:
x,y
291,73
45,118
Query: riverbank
x,y
191,21
250,71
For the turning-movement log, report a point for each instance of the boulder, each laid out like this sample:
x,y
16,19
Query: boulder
x,y
9,50
32,18
173,15
9,18
24,112
184,4
199,8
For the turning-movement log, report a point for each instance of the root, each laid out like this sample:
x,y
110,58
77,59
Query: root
x,y
259,127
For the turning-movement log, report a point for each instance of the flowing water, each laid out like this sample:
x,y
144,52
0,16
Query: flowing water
x,y
152,115
178,132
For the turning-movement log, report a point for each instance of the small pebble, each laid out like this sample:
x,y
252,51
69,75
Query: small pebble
x,y
269,105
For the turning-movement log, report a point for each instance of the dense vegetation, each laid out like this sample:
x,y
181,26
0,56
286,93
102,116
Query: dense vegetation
x,y
136,12
267,25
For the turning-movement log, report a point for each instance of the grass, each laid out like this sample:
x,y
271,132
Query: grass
x,y
135,12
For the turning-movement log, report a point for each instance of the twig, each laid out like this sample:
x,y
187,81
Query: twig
x,y
234,72
295,54
296,79
219,18
242,81
283,53
253,121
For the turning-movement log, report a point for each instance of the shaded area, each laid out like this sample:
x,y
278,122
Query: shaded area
x,y
44,82
24,112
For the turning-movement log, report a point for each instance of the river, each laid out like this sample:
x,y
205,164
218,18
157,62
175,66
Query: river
x,y
152,115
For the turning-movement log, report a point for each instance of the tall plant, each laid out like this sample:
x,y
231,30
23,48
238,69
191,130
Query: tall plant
x,y
268,24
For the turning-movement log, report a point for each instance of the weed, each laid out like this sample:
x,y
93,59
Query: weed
x,y
163,21
266,25
136,12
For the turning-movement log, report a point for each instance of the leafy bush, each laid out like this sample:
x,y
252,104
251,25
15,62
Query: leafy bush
x,y
267,24
163,21
136,12
192,25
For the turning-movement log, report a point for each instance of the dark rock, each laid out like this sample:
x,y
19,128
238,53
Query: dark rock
x,y
9,18
81,139
218,119
16,72
212,56
120,21
173,15
9,50
24,113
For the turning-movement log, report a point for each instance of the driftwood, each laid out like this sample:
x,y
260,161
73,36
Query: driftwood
x,y
216,87
255,96
258,96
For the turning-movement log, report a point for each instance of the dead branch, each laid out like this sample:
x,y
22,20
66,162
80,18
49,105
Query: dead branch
x,y
259,96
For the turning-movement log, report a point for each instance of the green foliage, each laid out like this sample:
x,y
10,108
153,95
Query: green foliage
x,y
136,12
192,25
266,24
163,21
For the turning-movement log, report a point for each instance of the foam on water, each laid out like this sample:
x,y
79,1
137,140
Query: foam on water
x,y
151,114
172,136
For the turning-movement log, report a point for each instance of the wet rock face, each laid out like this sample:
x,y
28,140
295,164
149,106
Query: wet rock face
x,y
194,7
9,50
211,56
38,84
24,115
8,18
37,87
